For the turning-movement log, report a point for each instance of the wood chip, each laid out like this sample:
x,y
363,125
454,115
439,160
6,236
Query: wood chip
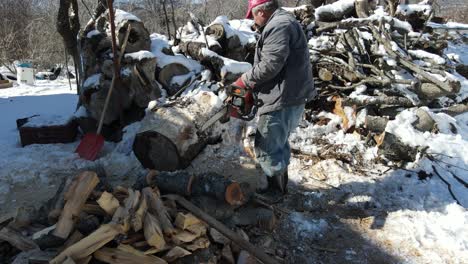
x,y
198,229
183,221
108,203
199,243
183,236
175,253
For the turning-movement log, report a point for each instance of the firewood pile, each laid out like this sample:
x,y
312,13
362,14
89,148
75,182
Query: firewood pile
x,y
370,63
370,66
87,220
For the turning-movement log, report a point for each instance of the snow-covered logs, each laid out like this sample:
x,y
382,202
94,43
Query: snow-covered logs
x,y
136,86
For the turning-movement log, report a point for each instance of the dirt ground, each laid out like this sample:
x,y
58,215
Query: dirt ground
x,y
310,228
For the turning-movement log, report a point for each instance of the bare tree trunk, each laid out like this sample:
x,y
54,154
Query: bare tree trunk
x,y
68,26
174,23
163,2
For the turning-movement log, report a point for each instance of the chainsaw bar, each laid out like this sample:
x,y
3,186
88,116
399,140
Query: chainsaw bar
x,y
215,118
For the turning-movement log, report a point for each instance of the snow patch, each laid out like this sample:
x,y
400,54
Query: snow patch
x,y
140,55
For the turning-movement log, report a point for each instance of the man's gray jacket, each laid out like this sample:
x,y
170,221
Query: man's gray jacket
x,y
282,74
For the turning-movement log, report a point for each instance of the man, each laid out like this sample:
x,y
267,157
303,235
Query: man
x,y
282,78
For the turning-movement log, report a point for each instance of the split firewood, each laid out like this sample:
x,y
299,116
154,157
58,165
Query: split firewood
x,y
118,256
339,110
130,249
139,215
108,203
88,245
153,232
199,243
182,236
157,208
76,196
183,221
198,229
123,214
16,239
175,253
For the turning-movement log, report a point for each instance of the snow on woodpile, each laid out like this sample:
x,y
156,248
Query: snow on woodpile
x,y
230,66
140,55
160,46
239,27
334,11
122,16
410,9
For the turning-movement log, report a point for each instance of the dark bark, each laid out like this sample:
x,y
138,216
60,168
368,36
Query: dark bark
x,y
68,27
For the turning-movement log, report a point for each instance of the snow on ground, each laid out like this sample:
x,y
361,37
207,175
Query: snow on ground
x,y
31,172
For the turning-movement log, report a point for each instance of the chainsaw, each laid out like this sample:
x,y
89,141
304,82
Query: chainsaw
x,y
241,104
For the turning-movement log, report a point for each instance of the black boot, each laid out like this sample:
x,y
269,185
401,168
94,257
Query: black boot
x,y
281,182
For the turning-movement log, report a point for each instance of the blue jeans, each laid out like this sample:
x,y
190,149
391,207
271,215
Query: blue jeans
x,y
271,139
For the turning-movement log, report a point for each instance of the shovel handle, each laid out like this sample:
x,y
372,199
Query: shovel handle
x,y
114,77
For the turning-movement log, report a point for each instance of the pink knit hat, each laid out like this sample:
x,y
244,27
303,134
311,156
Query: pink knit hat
x,y
252,4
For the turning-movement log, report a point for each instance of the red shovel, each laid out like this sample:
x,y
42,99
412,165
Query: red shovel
x,y
91,144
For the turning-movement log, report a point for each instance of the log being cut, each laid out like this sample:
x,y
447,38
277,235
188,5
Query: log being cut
x,y
169,138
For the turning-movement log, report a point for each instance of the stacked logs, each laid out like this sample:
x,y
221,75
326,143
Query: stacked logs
x,y
136,86
366,62
86,222
370,66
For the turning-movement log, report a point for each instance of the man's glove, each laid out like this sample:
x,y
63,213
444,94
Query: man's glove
x,y
241,99
240,84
